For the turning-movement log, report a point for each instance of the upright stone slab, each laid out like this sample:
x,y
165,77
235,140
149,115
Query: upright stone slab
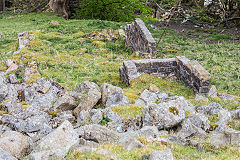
x,y
139,38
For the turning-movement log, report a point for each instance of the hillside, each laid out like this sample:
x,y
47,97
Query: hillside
x,y
71,52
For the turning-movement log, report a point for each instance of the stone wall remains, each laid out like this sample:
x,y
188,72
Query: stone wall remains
x,y
190,72
139,38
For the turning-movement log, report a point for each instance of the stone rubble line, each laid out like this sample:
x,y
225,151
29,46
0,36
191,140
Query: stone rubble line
x,y
190,72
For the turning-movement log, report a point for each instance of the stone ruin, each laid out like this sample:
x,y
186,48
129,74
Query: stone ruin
x,y
139,38
190,72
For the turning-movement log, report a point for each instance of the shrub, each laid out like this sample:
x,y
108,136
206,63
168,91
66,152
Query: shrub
x,y
112,10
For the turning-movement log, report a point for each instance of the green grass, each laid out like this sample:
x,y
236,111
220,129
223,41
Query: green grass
x,y
222,60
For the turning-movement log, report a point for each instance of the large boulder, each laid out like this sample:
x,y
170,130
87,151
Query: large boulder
x,y
113,96
32,121
4,155
130,143
194,125
97,133
90,96
15,143
229,136
45,101
59,141
211,108
167,114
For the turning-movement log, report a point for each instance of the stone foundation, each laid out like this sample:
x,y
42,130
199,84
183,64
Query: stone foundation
x,y
139,38
190,72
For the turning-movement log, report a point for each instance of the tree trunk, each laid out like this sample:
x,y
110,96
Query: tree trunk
x,y
2,5
60,7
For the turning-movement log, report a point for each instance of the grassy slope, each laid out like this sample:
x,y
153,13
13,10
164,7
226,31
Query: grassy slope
x,y
62,57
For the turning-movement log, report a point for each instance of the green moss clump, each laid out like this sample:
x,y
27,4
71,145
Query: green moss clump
x,y
127,112
173,110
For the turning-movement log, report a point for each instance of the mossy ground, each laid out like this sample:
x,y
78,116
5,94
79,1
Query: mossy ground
x,y
66,54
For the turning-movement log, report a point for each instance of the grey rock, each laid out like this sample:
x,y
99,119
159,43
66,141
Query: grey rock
x,y
97,133
12,78
83,149
66,102
46,101
84,118
167,114
60,140
116,126
161,155
61,117
235,114
132,124
4,155
3,87
86,143
13,107
130,143
146,98
148,132
234,136
4,129
15,143
107,90
90,96
226,97
229,136
218,139
112,116
200,97
213,91
189,129
221,125
225,115
13,122
117,99
30,94
211,108
30,120
12,92
96,116
47,155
